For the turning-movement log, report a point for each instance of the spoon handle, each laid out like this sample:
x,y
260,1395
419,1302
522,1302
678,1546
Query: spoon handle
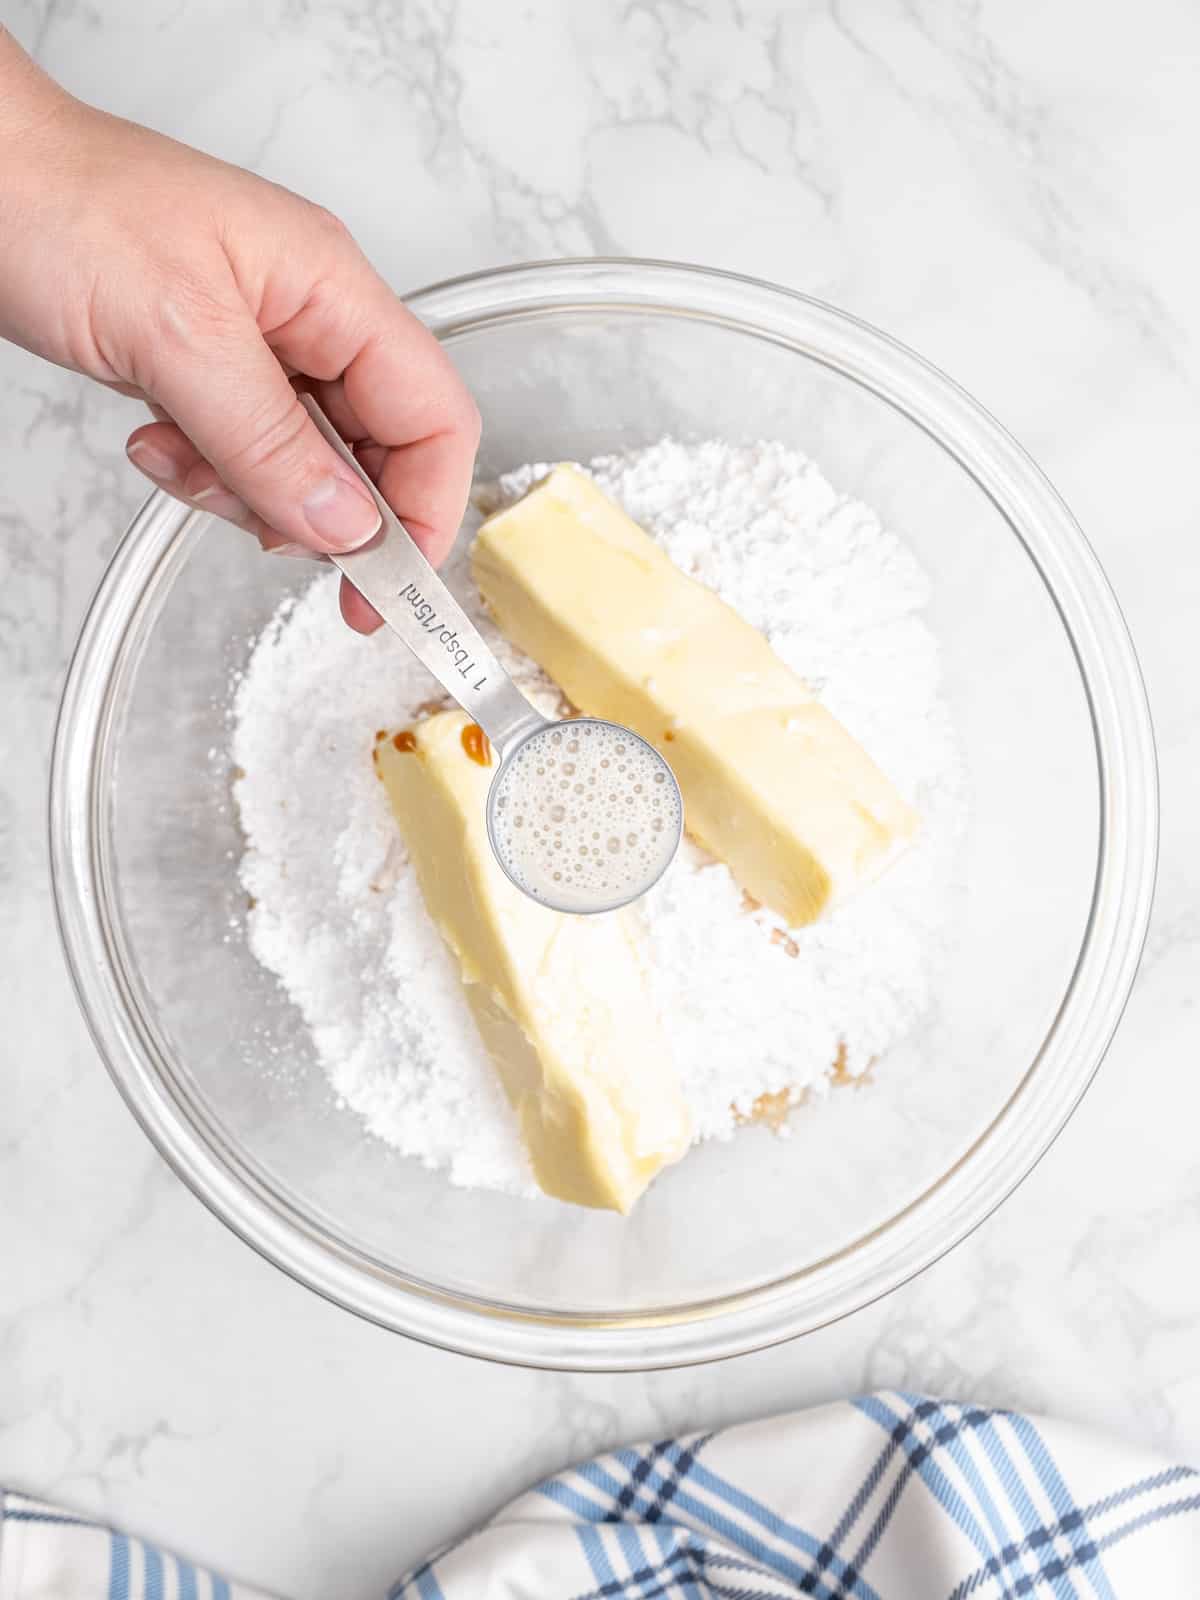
x,y
414,602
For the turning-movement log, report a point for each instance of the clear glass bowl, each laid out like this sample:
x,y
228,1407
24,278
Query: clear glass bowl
x,y
745,1243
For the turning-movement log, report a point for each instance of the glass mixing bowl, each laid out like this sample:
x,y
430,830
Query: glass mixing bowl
x,y
748,1242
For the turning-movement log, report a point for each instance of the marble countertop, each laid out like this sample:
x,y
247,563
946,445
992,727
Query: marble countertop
x,y
1005,186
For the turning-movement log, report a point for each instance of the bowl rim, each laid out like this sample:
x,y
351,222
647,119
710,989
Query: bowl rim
x,y
1002,1155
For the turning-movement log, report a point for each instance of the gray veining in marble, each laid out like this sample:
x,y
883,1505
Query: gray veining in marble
x,y
1007,186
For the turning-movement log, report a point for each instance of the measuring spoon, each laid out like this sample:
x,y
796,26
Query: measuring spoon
x,y
588,839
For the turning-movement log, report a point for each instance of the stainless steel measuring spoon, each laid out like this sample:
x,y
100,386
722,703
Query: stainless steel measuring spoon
x,y
395,577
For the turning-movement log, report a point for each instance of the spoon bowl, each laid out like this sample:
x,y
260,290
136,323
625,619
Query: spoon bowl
x,y
584,815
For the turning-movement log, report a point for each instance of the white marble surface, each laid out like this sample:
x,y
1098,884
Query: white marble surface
x,y
1005,184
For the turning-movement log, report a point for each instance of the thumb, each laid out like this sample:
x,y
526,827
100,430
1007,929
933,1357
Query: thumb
x,y
232,398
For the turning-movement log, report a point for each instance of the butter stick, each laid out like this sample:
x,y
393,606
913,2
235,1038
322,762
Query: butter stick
x,y
561,1002
772,783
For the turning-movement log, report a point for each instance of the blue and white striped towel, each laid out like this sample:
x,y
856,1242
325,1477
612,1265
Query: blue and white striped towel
x,y
47,1553
887,1497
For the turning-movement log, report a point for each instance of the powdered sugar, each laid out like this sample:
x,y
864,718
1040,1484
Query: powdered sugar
x,y
750,1008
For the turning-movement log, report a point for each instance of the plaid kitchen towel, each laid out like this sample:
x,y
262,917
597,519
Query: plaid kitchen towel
x,y
47,1553
887,1497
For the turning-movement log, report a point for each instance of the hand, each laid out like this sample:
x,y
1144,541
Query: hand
x,y
209,293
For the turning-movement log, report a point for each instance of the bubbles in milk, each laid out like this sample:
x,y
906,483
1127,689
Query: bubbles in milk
x,y
586,815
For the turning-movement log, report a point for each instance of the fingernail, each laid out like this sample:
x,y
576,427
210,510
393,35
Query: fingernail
x,y
156,463
217,499
299,552
342,514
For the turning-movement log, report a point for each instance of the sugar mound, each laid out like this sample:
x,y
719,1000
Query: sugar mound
x,y
751,1008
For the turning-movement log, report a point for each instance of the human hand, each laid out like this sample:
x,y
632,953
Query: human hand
x,y
208,293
